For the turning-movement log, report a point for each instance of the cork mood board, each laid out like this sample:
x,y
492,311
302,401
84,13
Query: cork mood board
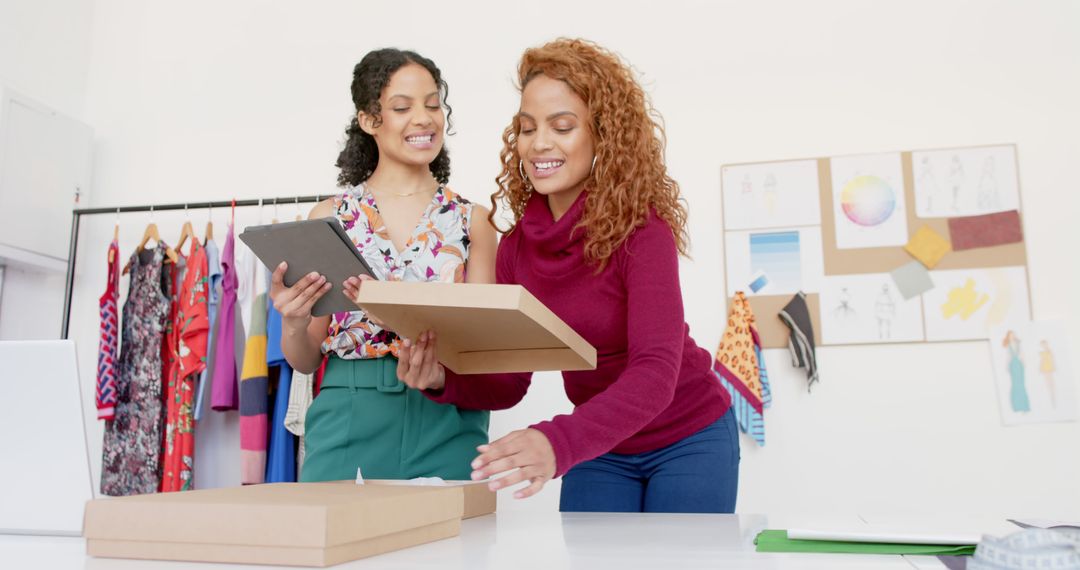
x,y
909,246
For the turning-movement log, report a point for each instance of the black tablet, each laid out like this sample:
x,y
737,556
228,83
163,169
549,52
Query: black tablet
x,y
319,245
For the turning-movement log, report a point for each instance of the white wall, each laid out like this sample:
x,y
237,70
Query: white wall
x,y
31,303
45,50
210,100
44,55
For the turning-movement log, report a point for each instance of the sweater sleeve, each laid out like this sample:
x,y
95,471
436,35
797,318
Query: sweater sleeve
x,y
655,339
487,391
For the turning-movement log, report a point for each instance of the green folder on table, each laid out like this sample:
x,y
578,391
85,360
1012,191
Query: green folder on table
x,y
778,541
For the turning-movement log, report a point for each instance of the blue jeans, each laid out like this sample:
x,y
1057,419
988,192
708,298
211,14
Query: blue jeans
x,y
698,474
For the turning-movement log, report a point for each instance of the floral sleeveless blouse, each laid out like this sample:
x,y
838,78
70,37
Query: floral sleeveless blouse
x,y
436,251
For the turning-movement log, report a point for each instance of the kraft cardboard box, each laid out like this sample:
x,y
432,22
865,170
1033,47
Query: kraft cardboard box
x,y
480,328
296,524
478,499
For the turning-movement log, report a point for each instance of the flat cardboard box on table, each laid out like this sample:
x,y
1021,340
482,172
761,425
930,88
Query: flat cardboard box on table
x,y
479,500
479,328
296,524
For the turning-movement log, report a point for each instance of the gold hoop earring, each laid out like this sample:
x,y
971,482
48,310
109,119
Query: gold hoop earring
x,y
524,179
593,167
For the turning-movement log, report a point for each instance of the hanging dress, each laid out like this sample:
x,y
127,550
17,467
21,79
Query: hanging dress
x,y
109,338
191,327
131,451
223,387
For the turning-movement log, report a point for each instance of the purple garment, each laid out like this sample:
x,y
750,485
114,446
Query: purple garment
x,y
224,385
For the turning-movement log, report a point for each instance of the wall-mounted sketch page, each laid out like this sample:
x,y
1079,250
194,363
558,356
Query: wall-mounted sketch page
x,y
965,181
1033,370
867,308
771,195
966,303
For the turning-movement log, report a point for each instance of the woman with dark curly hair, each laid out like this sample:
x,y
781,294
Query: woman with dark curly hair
x,y
409,227
598,228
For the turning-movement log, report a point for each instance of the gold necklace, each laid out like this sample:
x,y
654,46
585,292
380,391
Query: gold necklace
x,y
405,195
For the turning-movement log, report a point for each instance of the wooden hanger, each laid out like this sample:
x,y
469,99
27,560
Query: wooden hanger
x,y
187,231
115,237
209,225
151,233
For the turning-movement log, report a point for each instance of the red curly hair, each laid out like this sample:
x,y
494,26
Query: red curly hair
x,y
629,177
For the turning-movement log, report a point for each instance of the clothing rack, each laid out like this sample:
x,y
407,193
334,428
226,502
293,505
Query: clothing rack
x,y
78,213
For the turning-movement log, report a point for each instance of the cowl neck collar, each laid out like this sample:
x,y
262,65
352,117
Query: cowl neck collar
x,y
551,236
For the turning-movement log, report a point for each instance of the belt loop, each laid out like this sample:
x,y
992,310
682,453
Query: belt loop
x,y
354,378
388,375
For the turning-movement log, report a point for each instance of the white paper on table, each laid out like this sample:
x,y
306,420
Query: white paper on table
x,y
929,532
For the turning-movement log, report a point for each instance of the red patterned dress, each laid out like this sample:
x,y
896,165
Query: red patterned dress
x,y
191,329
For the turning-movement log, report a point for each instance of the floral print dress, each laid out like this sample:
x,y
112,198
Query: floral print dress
x,y
131,455
191,326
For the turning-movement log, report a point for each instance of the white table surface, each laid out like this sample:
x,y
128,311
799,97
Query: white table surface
x,y
529,540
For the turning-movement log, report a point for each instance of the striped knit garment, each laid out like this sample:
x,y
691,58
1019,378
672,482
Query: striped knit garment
x,y
741,369
109,339
796,315
254,394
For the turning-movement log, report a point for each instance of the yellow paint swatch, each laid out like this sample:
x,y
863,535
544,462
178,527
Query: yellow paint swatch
x,y
928,246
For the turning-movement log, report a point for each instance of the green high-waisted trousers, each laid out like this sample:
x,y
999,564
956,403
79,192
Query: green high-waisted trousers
x,y
365,417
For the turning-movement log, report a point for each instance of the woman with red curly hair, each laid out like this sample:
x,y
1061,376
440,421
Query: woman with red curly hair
x,y
598,228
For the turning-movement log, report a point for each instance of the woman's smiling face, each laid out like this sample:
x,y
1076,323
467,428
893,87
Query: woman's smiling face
x,y
412,117
555,142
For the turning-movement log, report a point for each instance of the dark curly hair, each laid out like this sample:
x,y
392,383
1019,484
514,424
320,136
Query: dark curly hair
x,y
360,156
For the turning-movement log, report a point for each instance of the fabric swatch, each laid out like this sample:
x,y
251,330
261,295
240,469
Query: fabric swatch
x,y
912,279
985,231
928,246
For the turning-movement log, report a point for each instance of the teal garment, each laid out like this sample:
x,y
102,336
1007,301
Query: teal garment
x,y
1018,393
365,417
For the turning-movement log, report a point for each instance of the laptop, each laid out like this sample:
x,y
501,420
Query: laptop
x,y
45,479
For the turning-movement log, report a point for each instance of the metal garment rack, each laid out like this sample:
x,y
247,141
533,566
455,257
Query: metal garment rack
x,y
78,213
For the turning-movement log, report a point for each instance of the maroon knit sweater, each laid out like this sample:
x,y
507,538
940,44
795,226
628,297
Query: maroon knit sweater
x,y
652,385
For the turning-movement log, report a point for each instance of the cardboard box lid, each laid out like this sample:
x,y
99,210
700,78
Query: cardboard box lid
x,y
280,514
479,500
480,328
